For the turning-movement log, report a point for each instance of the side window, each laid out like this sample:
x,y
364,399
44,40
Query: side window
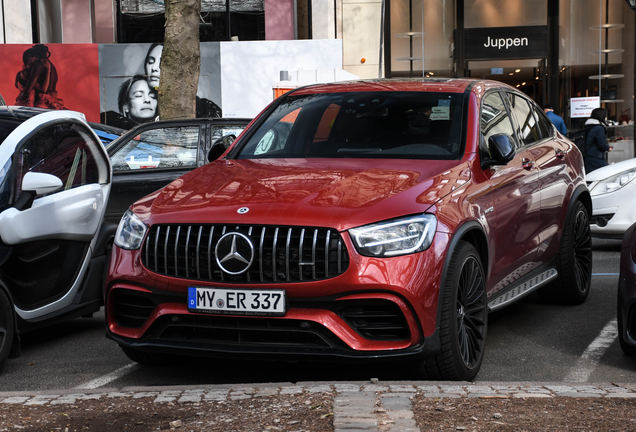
x,y
527,127
61,150
171,147
545,125
275,138
494,117
218,132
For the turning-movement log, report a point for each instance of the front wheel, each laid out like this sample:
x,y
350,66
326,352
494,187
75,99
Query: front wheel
x,y
464,318
7,327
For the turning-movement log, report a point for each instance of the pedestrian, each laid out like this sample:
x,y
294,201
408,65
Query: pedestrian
x,y
556,119
596,145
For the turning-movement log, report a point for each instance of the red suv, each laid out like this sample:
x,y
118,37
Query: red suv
x,y
377,219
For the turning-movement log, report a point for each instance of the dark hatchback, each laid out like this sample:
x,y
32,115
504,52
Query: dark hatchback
x,y
151,155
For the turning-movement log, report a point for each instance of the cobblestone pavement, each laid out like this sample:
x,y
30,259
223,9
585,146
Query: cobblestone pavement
x,y
357,406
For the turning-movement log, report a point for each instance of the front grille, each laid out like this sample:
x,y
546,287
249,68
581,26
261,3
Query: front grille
x,y
243,331
377,320
280,254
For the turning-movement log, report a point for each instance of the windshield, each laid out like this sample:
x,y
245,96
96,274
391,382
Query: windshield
x,y
393,125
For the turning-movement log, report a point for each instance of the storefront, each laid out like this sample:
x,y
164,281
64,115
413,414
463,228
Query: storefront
x,y
553,50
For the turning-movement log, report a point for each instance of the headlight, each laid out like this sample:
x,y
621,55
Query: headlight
x,y
613,183
395,237
130,232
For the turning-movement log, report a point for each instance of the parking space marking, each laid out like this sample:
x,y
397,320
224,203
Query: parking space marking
x,y
108,378
587,363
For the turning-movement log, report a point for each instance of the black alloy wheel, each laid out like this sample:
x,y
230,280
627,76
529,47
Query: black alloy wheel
x,y
463,318
582,250
471,312
7,327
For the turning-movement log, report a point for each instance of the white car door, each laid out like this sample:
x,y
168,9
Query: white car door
x,y
55,178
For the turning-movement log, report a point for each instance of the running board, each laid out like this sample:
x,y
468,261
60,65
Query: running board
x,y
521,290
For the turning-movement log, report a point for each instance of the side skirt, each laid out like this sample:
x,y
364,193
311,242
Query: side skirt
x,y
522,289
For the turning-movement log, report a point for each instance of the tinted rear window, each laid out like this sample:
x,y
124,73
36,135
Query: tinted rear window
x,y
392,125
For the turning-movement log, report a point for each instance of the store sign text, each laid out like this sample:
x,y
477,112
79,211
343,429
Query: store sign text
x,y
506,43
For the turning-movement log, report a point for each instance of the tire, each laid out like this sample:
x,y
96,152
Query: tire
x,y
574,261
628,349
150,359
464,318
7,327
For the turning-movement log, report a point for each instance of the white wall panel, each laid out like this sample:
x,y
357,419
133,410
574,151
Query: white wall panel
x,y
17,21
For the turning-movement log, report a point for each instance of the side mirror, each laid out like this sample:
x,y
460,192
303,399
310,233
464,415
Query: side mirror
x,y
41,183
501,150
34,184
219,147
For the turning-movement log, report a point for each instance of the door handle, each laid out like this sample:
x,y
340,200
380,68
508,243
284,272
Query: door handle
x,y
559,153
528,164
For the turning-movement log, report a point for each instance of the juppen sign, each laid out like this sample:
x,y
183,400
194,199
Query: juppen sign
x,y
506,43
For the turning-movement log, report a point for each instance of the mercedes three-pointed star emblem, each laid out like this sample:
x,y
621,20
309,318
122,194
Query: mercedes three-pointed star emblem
x,y
234,253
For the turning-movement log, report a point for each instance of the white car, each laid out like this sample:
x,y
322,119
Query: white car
x,y
613,192
55,179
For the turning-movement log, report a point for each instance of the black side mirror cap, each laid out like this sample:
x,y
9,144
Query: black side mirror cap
x,y
219,147
501,150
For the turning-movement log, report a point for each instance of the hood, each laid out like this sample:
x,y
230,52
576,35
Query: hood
x,y
340,194
610,170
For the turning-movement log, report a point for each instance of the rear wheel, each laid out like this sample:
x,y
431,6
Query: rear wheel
x,y
464,318
7,327
574,260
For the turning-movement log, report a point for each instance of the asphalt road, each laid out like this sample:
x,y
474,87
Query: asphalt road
x,y
527,342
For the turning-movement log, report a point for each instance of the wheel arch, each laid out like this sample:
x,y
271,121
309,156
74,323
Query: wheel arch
x,y
473,233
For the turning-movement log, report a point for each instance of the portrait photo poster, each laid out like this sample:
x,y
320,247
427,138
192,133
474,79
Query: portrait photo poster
x,y
70,73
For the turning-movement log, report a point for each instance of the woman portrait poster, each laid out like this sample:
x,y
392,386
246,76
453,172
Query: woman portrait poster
x,y
52,76
120,62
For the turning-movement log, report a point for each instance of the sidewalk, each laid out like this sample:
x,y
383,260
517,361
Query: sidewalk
x,y
356,406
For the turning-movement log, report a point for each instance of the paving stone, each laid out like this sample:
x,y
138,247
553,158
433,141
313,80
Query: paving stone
x,y
375,388
16,400
119,394
270,391
478,389
441,395
400,414
291,390
241,397
531,395
140,395
403,388
347,388
216,395
621,395
428,389
318,389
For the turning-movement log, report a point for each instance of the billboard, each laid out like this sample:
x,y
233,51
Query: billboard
x,y
54,76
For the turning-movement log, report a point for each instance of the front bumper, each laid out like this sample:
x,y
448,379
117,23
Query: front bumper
x,y
378,309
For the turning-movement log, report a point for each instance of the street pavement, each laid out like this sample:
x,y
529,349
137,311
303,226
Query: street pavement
x,y
355,405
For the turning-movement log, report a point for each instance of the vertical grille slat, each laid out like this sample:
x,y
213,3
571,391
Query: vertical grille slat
x,y
313,255
301,244
176,252
193,257
274,254
198,253
287,257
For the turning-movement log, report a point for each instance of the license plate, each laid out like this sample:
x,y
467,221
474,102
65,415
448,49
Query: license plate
x,y
236,301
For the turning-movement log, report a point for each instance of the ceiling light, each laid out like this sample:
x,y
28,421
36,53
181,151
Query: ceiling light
x,y
518,70
431,73
511,73
523,83
518,85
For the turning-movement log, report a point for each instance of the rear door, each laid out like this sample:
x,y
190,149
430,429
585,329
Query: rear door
x,y
47,239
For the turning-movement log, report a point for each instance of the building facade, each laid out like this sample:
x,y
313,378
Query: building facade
x,y
553,50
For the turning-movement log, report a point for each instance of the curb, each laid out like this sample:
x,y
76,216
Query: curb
x,y
357,406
